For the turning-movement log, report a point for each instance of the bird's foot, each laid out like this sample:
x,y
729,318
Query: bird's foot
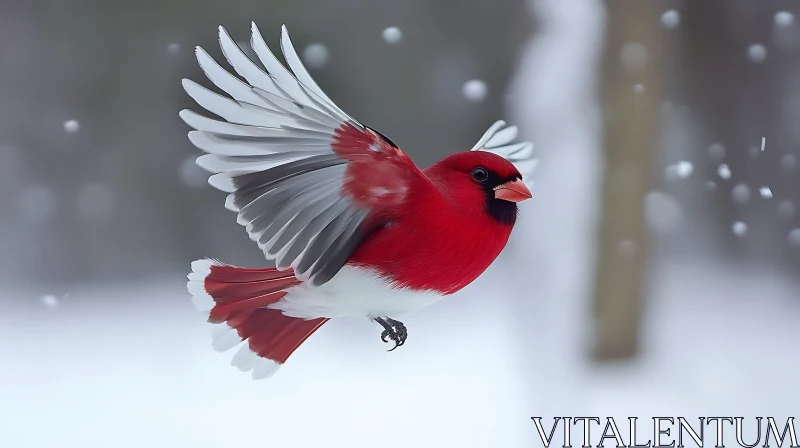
x,y
394,330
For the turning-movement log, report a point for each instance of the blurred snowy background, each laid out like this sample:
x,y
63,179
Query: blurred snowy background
x,y
653,274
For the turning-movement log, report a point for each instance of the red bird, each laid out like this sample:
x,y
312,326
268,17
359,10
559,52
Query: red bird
x,y
353,226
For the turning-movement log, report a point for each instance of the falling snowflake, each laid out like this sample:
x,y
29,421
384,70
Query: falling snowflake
x,y
757,53
315,55
662,212
763,143
680,170
392,35
786,209
765,192
741,193
670,19
173,48
475,90
190,174
788,162
633,56
36,203
784,19
716,151
72,126
794,237
50,300
739,228
684,169
724,172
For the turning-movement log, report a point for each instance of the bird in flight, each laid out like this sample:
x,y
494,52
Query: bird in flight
x,y
353,227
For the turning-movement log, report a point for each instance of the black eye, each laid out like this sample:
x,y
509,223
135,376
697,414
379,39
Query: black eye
x,y
480,174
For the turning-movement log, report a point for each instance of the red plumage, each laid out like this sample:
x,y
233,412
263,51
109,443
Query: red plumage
x,y
443,238
354,227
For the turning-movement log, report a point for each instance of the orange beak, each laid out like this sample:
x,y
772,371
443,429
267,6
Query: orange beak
x,y
515,191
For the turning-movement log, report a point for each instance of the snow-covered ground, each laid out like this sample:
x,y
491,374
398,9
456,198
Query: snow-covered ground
x,y
141,373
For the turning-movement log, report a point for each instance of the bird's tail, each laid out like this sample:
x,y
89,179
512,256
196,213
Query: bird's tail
x,y
236,300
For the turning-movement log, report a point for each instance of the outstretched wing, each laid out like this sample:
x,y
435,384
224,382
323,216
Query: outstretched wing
x,y
303,176
499,139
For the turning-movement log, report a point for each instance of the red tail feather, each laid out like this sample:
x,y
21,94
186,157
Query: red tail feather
x,y
238,298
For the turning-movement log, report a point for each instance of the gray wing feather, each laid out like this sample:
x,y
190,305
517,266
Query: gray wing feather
x,y
324,240
271,150
295,219
297,252
282,192
287,214
339,251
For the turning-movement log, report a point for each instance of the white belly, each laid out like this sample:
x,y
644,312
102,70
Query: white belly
x,y
353,292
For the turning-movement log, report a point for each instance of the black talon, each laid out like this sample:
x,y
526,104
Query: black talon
x,y
394,330
384,335
401,331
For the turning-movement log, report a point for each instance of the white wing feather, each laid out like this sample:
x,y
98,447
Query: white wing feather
x,y
499,138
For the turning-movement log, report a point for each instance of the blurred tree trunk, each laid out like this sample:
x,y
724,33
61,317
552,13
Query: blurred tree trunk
x,y
630,103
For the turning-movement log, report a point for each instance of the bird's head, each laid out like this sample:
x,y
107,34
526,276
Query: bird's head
x,y
482,179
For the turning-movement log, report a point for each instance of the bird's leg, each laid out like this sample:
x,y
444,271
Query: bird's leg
x,y
400,330
394,330
388,330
